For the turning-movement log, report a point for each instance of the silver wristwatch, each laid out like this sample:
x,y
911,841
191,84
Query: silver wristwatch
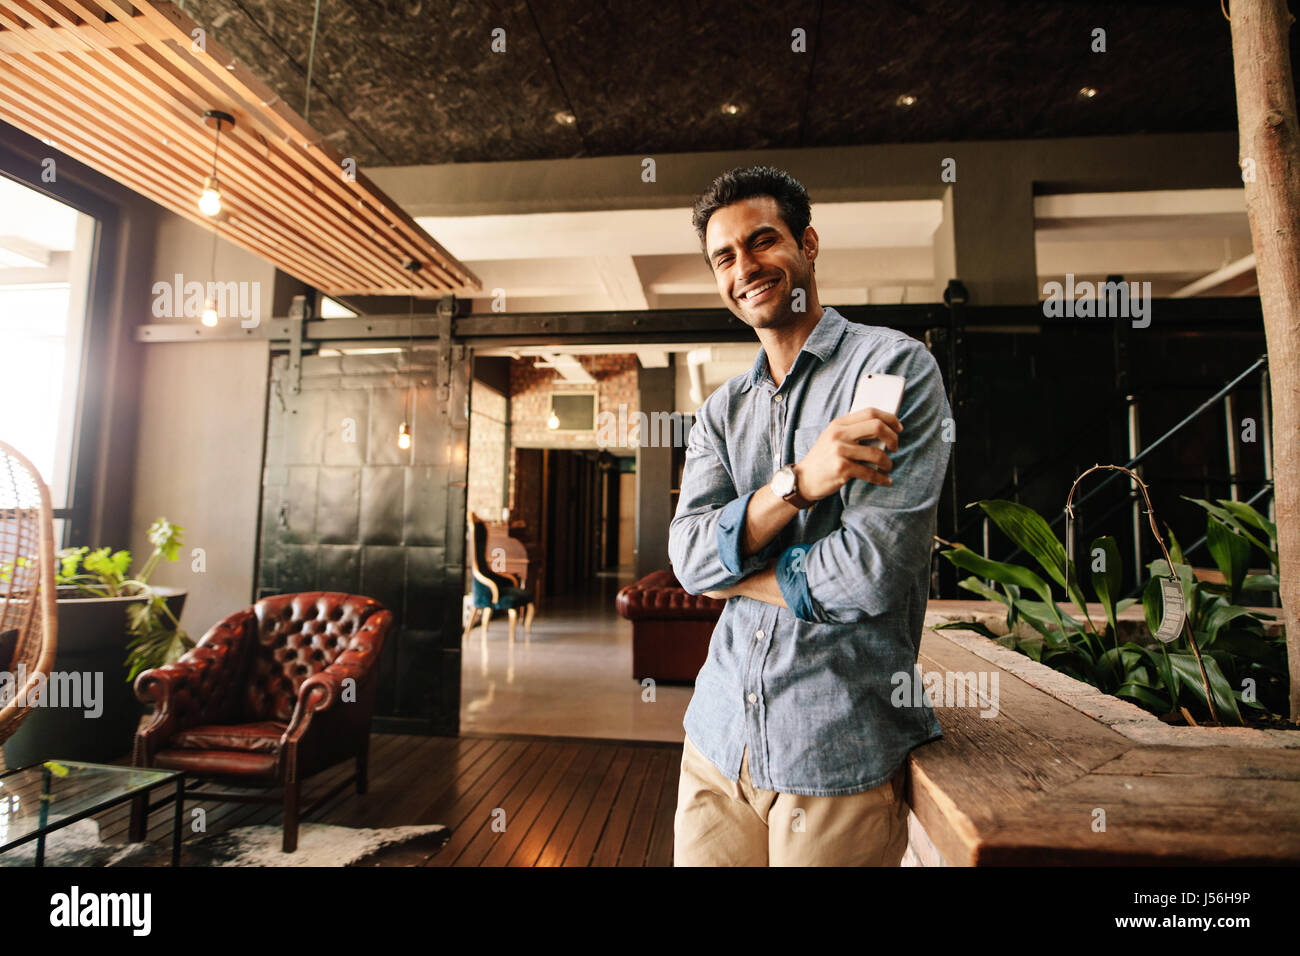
x,y
785,486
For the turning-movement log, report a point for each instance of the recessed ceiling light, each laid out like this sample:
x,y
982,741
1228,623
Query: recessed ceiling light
x,y
565,118
732,109
1087,93
905,101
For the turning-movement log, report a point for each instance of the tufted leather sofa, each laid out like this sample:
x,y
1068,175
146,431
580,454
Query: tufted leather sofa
x,y
671,628
271,695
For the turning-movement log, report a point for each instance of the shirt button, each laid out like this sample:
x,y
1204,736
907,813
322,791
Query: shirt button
x,y
778,398
753,698
758,635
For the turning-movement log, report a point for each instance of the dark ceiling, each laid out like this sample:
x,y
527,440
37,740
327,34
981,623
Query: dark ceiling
x,y
404,82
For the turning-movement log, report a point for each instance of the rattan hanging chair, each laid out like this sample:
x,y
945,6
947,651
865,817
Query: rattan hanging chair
x,y
28,613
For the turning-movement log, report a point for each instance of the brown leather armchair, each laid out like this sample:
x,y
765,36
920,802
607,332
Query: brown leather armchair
x,y
671,628
265,698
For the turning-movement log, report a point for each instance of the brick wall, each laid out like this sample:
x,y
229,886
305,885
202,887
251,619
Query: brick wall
x,y
530,388
487,443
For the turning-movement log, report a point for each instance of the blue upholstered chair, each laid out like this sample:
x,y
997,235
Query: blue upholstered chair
x,y
495,590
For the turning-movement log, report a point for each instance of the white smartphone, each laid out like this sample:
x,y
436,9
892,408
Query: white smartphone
x,y
881,392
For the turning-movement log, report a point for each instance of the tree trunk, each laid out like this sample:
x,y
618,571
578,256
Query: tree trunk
x,y
1270,150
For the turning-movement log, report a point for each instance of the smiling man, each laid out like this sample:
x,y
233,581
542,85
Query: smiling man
x,y
794,753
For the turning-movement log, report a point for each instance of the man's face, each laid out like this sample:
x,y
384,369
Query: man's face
x,y
757,263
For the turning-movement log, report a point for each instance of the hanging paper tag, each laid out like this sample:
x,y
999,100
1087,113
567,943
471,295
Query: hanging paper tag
x,y
1171,624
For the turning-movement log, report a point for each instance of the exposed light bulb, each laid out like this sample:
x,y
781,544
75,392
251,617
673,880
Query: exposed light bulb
x,y
553,421
404,436
210,200
210,313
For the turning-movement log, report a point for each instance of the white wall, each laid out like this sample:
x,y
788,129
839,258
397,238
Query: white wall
x,y
199,449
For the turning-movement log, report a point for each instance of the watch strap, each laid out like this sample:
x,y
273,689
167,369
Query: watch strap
x,y
796,499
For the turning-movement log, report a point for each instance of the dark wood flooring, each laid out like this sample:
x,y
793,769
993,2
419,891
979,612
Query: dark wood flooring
x,y
563,801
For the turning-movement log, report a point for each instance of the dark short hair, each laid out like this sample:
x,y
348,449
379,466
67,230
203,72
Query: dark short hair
x,y
747,182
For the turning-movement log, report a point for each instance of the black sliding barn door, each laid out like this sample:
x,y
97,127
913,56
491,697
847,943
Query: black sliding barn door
x,y
344,508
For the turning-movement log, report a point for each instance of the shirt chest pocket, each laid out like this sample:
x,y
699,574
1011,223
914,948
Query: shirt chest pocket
x,y
805,438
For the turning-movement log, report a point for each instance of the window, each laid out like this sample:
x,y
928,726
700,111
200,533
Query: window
x,y
46,249
573,411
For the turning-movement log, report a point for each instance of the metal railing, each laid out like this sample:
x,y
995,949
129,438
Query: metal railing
x,y
1137,455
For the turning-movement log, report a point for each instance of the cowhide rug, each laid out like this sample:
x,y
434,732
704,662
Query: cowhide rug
x,y
319,844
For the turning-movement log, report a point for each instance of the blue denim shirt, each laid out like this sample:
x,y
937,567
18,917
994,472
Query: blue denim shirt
x,y
809,689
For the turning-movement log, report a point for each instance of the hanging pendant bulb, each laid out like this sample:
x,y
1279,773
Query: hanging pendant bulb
x,y
210,200
553,421
210,312
404,437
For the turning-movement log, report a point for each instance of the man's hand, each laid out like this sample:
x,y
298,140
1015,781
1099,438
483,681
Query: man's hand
x,y
837,455
761,586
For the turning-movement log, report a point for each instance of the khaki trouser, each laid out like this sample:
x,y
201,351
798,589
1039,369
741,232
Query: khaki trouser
x,y
720,822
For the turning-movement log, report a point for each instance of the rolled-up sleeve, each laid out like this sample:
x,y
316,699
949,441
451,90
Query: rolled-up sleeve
x,y
868,565
704,539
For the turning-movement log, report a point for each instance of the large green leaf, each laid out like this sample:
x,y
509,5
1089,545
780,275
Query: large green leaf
x,y
1109,579
1221,615
1190,676
999,571
1260,582
1028,530
1121,657
1043,613
1231,552
983,590
975,626
1175,549
1152,604
1145,695
1046,618
1248,514
1228,517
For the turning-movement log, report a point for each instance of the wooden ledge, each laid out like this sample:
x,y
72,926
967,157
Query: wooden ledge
x,y
1035,781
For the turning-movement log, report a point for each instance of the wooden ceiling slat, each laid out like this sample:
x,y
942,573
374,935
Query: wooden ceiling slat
x,y
215,86
216,91
114,91
44,19
65,39
103,112
250,153
25,106
310,222
163,21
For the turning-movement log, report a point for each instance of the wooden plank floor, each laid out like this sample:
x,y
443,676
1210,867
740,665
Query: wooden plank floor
x,y
509,800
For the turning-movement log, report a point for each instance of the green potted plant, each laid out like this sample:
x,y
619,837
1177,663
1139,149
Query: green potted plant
x,y
112,625
1225,645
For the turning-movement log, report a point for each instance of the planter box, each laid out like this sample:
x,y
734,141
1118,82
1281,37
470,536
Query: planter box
x,y
1063,774
92,643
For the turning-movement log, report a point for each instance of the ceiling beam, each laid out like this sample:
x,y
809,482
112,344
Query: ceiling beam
x,y
1216,278
621,281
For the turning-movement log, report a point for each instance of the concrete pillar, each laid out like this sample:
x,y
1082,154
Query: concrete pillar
x,y
657,387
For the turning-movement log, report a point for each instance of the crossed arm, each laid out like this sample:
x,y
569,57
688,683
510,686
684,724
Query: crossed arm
x,y
765,516
850,574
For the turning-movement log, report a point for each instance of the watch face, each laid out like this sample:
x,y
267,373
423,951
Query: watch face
x,y
783,481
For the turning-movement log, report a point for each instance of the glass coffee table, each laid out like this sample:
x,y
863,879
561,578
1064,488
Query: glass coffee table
x,y
37,800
